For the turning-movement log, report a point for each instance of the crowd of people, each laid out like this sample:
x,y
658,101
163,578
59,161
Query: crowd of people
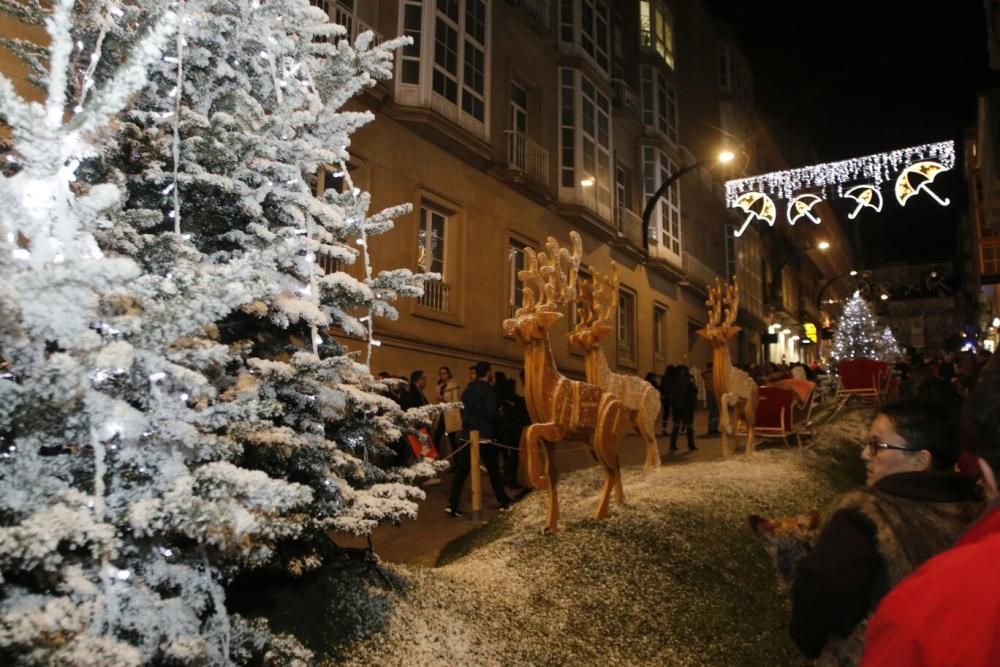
x,y
490,405
901,567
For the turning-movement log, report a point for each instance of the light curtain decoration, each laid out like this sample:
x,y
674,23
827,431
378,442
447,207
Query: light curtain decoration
x,y
908,170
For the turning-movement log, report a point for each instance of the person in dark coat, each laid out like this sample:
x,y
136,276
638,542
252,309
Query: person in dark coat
x,y
414,396
479,413
513,414
683,396
914,506
665,383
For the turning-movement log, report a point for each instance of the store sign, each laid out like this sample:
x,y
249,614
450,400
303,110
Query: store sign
x,y
811,332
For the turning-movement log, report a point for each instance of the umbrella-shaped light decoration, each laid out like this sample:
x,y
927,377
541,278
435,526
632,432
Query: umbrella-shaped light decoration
x,y
867,196
757,205
801,207
918,177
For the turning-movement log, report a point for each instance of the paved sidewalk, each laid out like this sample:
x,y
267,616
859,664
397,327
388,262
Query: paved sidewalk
x,y
420,541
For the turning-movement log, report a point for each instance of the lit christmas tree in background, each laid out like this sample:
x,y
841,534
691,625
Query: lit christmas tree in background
x,y
174,408
857,335
887,347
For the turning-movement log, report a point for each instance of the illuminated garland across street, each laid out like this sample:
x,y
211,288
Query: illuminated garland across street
x,y
911,169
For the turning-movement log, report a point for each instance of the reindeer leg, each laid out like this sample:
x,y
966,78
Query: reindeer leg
x,y
552,522
606,440
532,457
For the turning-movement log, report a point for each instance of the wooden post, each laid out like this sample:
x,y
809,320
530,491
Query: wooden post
x,y
477,480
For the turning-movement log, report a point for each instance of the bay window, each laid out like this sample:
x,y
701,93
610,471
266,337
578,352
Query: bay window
x,y
665,223
584,141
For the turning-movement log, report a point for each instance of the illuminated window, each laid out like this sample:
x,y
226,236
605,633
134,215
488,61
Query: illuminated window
x,y
656,29
585,141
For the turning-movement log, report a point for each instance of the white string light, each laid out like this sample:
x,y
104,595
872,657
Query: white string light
x,y
831,177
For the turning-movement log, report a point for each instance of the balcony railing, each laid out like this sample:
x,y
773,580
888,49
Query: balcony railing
x,y
525,155
539,9
626,98
435,296
355,26
698,273
629,226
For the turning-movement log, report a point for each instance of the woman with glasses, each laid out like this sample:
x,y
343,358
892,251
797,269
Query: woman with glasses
x,y
913,507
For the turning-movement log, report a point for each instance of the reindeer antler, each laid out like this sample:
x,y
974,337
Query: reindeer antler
x,y
550,278
606,295
723,303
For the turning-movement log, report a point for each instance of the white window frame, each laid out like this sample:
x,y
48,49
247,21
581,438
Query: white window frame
x,y
628,352
425,228
471,93
656,30
659,103
743,261
515,286
587,35
660,327
589,179
665,223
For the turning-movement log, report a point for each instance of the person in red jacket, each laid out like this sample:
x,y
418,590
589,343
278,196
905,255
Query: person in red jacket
x,y
946,613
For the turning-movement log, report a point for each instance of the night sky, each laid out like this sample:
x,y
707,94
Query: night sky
x,y
853,78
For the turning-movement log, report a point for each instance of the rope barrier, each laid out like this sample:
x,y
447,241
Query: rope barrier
x,y
516,449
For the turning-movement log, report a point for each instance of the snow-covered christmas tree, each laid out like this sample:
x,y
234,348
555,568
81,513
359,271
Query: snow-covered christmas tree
x,y
857,332
887,347
224,149
175,408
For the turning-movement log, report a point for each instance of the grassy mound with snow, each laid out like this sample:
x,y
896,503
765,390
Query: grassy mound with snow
x,y
674,578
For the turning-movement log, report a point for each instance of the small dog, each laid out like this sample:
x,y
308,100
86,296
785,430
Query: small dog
x,y
787,539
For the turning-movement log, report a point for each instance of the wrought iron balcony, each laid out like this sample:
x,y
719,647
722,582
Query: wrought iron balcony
x,y
626,98
525,155
629,226
435,296
355,26
539,9
698,273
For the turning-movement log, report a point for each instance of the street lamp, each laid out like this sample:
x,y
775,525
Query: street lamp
x,y
647,213
823,245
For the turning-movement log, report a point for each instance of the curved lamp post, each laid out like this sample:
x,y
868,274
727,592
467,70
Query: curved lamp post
x,y
647,212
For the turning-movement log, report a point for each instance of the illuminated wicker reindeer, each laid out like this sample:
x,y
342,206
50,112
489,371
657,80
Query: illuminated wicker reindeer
x,y
597,303
560,408
733,387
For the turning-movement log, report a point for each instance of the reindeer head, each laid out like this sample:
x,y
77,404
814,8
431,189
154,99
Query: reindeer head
x,y
549,284
723,304
596,304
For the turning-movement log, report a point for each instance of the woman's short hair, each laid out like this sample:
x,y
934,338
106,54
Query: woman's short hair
x,y
925,426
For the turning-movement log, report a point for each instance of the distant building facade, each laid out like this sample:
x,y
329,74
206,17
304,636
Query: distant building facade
x,y
507,122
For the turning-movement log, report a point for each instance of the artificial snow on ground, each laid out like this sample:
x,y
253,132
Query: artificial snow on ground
x,y
673,578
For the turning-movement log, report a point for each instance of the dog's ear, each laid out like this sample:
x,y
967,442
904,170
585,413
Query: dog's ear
x,y
810,520
759,525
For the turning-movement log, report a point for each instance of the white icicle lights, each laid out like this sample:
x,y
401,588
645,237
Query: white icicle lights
x,y
859,179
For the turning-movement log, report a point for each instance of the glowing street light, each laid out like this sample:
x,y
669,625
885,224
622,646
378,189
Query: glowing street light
x,y
823,245
853,272
884,296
